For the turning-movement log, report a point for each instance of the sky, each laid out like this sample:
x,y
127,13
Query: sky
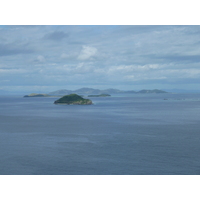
x,y
133,57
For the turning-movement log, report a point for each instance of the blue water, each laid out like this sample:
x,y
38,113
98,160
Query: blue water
x,y
121,135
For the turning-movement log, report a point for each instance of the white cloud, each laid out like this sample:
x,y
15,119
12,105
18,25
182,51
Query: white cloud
x,y
87,52
41,59
135,68
182,73
12,71
64,55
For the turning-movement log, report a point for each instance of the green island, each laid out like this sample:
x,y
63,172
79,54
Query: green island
x,y
73,99
37,95
100,95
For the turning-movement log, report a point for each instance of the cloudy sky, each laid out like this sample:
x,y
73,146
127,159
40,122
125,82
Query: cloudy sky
x,y
48,58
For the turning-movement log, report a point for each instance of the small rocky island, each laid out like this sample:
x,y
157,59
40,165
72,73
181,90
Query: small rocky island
x,y
73,99
100,95
37,95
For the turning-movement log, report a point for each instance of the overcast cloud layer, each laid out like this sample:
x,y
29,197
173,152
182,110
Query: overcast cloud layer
x,y
48,58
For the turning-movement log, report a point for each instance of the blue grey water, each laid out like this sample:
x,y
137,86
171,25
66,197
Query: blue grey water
x,y
132,134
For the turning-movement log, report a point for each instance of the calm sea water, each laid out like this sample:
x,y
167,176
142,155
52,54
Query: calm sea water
x,y
121,135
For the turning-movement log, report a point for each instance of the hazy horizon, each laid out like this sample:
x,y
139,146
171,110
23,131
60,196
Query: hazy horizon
x,y
174,90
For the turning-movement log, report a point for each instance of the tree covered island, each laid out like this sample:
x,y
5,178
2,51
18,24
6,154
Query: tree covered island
x,y
73,99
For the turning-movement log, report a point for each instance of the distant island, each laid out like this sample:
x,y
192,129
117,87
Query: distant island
x,y
37,95
151,91
73,99
85,91
91,91
100,95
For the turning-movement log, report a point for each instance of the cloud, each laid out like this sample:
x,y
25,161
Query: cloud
x,y
87,52
40,59
12,71
56,35
65,55
13,49
181,58
80,68
68,56
134,68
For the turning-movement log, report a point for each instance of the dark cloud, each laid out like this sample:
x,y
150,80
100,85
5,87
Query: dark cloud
x,y
173,58
191,30
182,58
24,26
10,49
56,35
146,29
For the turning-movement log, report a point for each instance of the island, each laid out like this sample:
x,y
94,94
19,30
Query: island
x,y
100,95
151,91
90,92
37,95
73,99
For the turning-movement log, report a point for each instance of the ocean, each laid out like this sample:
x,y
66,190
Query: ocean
x,y
126,134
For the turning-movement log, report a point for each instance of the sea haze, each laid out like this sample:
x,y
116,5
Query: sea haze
x,y
125,134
